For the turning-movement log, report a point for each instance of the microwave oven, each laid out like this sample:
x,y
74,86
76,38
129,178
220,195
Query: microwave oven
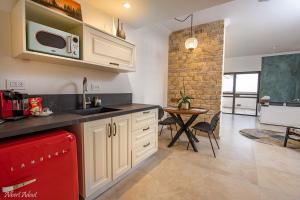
x,y
41,38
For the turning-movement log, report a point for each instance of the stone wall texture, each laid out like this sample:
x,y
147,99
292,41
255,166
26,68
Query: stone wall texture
x,y
201,69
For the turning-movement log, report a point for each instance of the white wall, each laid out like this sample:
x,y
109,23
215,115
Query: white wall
x,y
248,63
150,81
242,64
98,19
147,84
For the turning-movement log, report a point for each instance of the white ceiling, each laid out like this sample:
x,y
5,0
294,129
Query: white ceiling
x,y
145,12
254,27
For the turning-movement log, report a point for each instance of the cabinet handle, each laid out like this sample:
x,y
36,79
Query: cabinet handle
x,y
146,112
109,130
145,129
116,64
147,144
115,129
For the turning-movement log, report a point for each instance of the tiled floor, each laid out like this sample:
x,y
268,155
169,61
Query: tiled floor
x,y
242,170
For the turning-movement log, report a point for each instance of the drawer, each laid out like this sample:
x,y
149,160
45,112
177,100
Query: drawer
x,y
144,119
141,133
144,148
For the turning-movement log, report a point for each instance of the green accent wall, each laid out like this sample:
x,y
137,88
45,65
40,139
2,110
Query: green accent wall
x,y
280,77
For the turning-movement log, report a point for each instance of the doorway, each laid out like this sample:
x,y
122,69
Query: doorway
x,y
240,93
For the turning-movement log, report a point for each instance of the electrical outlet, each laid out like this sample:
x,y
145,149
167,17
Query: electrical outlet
x,y
16,85
95,86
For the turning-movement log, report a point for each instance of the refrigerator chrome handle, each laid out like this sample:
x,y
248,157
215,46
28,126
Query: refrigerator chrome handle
x,y
17,186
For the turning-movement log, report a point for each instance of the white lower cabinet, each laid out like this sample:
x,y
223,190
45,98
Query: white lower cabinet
x,y
145,143
109,148
121,145
144,135
97,155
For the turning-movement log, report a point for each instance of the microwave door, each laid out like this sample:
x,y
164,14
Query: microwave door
x,y
51,43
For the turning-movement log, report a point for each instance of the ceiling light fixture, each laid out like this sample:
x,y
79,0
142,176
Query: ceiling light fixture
x,y
126,5
192,42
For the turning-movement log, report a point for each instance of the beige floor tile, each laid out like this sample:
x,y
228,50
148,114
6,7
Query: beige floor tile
x,y
293,153
229,188
101,197
273,179
235,168
267,194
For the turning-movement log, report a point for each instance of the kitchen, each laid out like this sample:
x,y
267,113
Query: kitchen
x,y
82,87
59,84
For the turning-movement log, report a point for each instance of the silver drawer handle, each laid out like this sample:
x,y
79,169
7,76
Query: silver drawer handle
x,y
145,129
147,144
146,112
17,186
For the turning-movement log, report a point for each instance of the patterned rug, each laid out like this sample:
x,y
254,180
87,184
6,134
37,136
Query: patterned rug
x,y
269,137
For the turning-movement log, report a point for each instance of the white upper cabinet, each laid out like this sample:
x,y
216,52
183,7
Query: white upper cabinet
x,y
104,49
97,49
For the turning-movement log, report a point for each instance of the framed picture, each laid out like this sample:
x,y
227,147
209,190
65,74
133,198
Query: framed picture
x,y
68,7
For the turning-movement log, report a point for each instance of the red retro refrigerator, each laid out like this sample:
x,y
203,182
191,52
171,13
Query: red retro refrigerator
x,y
40,167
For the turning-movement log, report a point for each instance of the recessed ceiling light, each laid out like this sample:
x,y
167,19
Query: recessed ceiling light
x,y
126,5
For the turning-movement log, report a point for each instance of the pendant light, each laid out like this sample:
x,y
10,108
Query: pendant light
x,y
192,42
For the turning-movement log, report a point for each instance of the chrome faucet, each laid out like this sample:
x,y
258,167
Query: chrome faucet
x,y
85,100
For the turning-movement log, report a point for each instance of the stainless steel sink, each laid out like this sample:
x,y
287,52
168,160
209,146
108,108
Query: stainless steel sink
x,y
92,111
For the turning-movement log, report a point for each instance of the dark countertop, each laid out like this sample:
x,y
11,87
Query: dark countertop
x,y
35,124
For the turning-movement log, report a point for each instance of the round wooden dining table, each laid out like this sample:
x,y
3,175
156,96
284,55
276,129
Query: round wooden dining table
x,y
176,113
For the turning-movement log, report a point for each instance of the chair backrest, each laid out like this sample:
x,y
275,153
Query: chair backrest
x,y
161,112
215,120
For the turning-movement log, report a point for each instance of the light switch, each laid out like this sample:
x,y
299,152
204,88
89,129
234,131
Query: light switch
x,y
95,86
16,85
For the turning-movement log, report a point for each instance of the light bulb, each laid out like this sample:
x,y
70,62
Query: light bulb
x,y
127,5
191,43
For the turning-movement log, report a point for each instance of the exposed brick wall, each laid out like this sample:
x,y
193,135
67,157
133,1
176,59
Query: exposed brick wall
x,y
201,69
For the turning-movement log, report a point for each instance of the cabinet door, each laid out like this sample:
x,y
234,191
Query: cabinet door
x,y
107,50
121,145
97,154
